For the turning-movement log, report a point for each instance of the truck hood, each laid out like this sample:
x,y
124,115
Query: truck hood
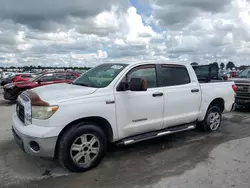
x,y
240,80
59,92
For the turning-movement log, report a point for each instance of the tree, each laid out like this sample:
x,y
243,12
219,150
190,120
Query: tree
x,y
230,65
222,65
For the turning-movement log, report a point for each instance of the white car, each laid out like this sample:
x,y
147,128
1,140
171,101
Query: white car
x,y
4,75
116,103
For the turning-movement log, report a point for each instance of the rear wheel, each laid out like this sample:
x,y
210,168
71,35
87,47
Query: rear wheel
x,y
82,147
212,120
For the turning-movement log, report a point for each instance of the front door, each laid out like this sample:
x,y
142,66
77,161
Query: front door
x,y
142,111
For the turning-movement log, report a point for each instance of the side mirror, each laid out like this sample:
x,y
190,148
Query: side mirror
x,y
138,84
39,81
123,86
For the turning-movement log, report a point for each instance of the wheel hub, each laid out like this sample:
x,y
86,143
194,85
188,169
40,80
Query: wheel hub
x,y
214,121
85,149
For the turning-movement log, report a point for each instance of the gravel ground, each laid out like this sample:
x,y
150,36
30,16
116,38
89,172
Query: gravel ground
x,y
191,159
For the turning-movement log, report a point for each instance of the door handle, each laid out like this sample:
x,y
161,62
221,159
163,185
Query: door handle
x,y
157,94
195,90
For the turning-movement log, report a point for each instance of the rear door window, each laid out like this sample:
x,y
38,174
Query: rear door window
x,y
26,76
47,78
60,76
70,77
173,75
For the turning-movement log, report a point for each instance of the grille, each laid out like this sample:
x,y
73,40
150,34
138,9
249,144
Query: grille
x,y
243,91
20,111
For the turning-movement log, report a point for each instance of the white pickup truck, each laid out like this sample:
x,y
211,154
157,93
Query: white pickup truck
x,y
116,103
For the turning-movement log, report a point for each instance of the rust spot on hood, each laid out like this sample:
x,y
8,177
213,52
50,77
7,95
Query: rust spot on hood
x,y
36,100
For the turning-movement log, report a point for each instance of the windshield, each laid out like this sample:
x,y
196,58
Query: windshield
x,y
100,76
245,74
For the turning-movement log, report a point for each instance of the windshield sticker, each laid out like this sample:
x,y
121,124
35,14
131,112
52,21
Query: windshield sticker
x,y
117,67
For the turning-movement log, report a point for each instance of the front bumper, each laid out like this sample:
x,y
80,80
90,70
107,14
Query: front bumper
x,y
46,145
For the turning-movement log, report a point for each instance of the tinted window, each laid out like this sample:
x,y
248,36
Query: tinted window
x,y
47,78
70,77
172,75
26,76
145,72
60,76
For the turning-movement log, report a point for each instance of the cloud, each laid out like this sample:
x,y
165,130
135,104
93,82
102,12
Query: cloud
x,y
40,14
86,33
178,13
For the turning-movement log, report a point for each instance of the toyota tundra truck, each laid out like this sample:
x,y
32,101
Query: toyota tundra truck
x,y
242,81
116,103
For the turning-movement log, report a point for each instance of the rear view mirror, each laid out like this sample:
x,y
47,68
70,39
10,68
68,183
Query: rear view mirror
x,y
138,84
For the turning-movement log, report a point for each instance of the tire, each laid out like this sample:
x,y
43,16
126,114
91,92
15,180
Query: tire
x,y
66,152
213,115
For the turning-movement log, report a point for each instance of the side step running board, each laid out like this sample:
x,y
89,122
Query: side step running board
x,y
155,134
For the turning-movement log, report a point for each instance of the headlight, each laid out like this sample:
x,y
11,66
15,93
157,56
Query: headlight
x,y
43,112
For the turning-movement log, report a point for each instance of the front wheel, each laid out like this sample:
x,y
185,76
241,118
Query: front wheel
x,y
82,148
212,120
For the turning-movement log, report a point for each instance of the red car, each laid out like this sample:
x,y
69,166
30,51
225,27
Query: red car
x,y
22,77
13,90
18,77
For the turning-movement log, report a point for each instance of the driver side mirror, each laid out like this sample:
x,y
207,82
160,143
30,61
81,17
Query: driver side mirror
x,y
39,81
138,84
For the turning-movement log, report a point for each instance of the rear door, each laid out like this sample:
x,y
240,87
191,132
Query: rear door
x,y
182,95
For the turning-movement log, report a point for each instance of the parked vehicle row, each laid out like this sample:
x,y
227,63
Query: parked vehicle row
x,y
14,89
17,77
115,103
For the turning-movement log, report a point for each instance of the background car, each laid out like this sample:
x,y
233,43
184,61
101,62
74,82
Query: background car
x,y
22,77
18,77
224,74
4,75
13,90
7,80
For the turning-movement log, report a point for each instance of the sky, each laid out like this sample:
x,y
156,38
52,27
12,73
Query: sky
x,y
87,33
